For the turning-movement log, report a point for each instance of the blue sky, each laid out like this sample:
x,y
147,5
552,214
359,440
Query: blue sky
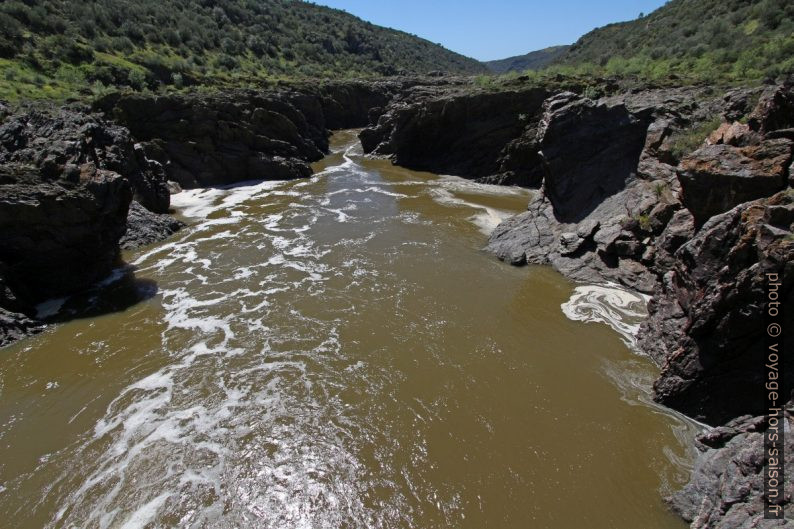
x,y
495,29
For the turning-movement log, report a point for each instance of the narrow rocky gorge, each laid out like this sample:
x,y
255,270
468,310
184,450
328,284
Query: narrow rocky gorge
x,y
621,198
81,183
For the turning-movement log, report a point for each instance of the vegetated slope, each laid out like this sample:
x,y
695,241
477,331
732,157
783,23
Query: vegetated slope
x,y
533,60
49,47
739,39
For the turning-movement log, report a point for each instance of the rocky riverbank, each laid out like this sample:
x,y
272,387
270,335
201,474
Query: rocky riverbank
x,y
63,207
79,183
629,193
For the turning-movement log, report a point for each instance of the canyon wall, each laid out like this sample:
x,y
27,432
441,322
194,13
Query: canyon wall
x,y
77,184
625,196
618,200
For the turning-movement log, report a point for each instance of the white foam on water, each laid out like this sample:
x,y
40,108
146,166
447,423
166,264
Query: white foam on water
x,y
199,203
378,189
486,219
410,183
341,216
621,309
146,513
456,183
306,250
179,305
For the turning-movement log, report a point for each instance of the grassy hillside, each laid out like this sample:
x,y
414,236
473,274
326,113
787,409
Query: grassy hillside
x,y
56,48
705,39
534,60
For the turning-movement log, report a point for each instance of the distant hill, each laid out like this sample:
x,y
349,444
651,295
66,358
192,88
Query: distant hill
x,y
50,47
740,39
534,60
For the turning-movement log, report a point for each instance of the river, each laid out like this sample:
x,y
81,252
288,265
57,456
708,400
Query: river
x,y
339,352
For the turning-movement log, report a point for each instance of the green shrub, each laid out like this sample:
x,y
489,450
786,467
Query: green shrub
x,y
177,81
705,40
644,221
137,79
686,141
592,92
484,81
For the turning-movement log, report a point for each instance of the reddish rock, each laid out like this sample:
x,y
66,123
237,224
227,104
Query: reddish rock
x,y
706,325
716,178
736,134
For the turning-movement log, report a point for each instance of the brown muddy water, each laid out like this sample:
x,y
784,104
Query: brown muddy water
x,y
339,353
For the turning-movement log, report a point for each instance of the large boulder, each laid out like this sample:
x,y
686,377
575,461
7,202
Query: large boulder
x,y
58,236
717,177
590,151
775,109
145,227
60,140
736,134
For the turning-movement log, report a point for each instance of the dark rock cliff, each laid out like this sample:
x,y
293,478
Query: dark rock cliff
x,y
220,139
475,135
608,188
68,179
715,295
206,140
57,235
589,151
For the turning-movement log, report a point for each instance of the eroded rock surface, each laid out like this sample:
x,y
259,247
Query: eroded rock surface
x,y
727,486
590,151
59,141
706,325
592,191
489,136
716,178
206,140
